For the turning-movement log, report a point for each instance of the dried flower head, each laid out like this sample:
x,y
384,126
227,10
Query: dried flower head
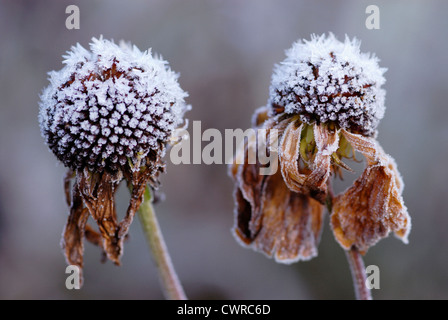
x,y
328,81
108,115
325,103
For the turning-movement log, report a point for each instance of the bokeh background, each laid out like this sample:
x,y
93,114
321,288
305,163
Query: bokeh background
x,y
225,52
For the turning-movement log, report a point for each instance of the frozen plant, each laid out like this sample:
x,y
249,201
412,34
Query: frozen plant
x,y
108,116
325,101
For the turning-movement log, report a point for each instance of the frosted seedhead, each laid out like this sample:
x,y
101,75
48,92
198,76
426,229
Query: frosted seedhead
x,y
110,107
326,80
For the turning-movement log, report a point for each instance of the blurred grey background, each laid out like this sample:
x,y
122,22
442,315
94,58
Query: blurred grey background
x,y
224,51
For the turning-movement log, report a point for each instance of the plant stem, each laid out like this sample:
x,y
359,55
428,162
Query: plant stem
x,y
354,259
170,282
358,274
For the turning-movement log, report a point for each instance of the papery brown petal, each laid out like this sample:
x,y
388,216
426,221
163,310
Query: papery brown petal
x,y
398,180
242,153
250,146
314,182
98,192
260,116
370,209
67,180
402,220
94,194
93,237
279,124
272,219
72,237
269,217
250,185
243,214
287,226
280,128
366,145
139,183
291,225
327,143
289,157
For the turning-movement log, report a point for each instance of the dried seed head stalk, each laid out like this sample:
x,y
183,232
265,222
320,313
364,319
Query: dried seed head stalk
x,y
108,115
325,101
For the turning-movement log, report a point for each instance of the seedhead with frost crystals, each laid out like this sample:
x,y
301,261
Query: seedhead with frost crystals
x,y
108,115
110,107
325,80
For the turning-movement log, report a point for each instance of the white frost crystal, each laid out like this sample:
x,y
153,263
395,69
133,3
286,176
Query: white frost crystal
x,y
326,80
91,109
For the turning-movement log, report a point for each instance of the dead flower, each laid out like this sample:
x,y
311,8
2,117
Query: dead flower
x,y
107,116
325,102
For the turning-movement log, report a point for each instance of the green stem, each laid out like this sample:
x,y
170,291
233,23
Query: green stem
x,y
170,282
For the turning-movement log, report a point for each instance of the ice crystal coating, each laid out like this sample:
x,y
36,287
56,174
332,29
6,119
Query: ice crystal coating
x,y
326,80
110,106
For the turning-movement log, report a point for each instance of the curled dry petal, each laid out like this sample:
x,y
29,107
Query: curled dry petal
x,y
67,179
139,181
373,206
314,180
98,192
289,157
366,145
260,116
72,241
327,143
272,219
93,194
398,180
242,153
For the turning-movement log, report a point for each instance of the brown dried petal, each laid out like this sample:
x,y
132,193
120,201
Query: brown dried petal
x,y
366,145
94,194
260,116
72,240
139,181
67,179
98,192
327,143
272,219
289,157
370,209
313,183
286,226
93,237
398,180
250,184
242,154
280,126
